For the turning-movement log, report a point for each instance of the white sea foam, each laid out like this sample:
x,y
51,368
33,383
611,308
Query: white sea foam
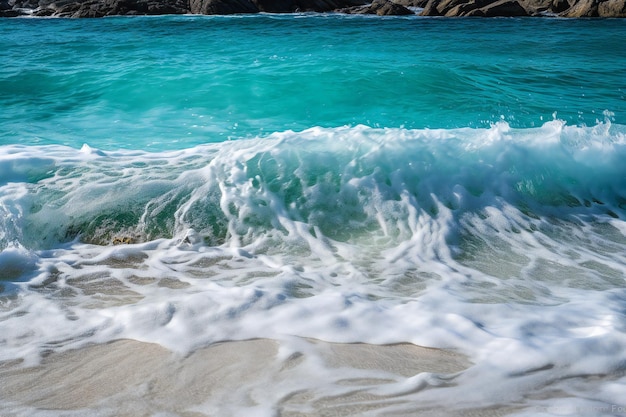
x,y
506,245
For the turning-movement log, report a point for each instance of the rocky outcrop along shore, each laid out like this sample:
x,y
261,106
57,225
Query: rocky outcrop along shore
x,y
446,8
515,8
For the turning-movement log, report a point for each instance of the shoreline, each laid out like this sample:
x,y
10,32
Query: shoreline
x,y
439,8
299,377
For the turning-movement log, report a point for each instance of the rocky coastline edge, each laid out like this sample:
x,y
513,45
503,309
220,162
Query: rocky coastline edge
x,y
445,8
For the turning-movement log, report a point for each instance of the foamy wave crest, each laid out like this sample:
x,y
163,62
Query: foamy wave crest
x,y
342,184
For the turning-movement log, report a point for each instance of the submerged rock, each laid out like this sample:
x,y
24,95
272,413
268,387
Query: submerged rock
x,y
123,240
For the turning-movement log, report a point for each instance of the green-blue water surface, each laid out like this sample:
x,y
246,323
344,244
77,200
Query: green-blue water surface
x,y
178,81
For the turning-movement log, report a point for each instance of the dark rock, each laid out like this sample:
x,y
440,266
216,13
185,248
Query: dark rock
x,y
430,9
464,8
380,8
441,7
326,5
388,8
559,6
482,8
501,8
85,9
44,12
142,7
412,3
222,7
88,12
23,4
58,4
100,8
123,7
538,7
66,8
275,6
612,8
316,5
582,8
542,7
452,7
171,7
290,6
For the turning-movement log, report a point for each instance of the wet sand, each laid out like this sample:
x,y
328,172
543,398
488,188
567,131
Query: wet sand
x,y
254,377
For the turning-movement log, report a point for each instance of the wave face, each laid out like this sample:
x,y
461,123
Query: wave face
x,y
321,177
345,184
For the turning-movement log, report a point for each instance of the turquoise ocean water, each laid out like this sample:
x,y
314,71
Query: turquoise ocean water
x,y
451,183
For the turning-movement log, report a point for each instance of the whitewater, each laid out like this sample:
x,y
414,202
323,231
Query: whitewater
x,y
312,215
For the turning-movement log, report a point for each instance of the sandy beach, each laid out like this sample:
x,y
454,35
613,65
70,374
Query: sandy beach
x,y
265,377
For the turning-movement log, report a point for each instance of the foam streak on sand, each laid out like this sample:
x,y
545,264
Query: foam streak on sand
x,y
255,377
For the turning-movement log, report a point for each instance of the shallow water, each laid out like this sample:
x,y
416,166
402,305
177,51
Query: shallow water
x,y
455,184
